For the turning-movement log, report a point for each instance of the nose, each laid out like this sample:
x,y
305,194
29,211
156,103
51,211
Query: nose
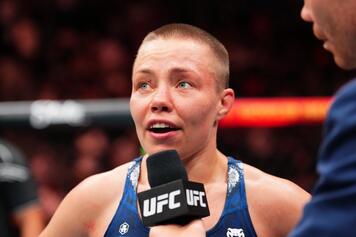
x,y
161,101
306,13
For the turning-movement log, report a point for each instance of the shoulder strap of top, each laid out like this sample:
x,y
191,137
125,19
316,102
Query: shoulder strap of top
x,y
133,174
236,195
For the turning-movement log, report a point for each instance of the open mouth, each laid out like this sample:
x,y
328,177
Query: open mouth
x,y
162,128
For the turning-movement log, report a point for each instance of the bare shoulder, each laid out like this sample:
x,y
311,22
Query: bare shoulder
x,y
107,184
273,187
275,204
86,203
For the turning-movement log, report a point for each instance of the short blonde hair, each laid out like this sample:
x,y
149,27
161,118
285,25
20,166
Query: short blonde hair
x,y
185,31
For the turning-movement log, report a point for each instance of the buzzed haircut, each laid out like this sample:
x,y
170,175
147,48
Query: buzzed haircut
x,y
185,31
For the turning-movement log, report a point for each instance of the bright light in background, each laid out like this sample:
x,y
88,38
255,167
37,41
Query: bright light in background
x,y
276,112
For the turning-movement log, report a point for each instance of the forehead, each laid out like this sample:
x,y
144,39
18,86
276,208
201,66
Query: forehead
x,y
173,52
172,44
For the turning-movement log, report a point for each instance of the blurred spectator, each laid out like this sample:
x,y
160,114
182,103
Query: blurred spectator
x,y
8,11
25,37
123,149
50,197
90,149
91,143
15,81
52,183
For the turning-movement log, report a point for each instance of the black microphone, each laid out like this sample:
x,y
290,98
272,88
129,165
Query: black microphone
x,y
172,199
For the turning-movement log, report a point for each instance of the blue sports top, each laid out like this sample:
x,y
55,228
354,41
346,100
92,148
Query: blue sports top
x,y
234,221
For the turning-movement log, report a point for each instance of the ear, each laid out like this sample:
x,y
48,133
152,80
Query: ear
x,y
227,100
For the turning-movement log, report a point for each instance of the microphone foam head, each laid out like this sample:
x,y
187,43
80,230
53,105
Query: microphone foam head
x,y
164,167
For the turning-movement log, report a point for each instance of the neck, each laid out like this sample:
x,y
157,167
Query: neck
x,y
204,167
207,167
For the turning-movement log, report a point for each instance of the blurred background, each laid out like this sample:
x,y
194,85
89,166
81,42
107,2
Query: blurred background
x,y
83,49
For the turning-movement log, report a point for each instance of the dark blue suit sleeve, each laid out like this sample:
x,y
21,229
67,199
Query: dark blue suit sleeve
x,y
332,209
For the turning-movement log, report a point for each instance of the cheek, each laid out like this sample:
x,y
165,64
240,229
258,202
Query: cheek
x,y
328,18
136,111
201,113
137,116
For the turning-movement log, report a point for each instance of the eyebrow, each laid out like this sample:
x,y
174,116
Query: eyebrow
x,y
145,71
184,71
181,70
174,70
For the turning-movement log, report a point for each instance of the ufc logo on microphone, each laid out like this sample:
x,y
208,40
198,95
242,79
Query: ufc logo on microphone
x,y
194,196
155,205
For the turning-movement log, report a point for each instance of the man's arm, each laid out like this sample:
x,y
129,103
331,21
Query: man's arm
x,y
194,228
71,215
332,210
30,220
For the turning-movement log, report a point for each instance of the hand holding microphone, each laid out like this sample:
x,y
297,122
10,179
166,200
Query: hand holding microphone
x,y
194,228
172,199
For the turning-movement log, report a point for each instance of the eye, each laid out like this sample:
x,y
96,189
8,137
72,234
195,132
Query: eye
x,y
184,85
143,86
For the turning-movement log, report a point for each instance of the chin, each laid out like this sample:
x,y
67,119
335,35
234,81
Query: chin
x,y
344,60
345,64
156,149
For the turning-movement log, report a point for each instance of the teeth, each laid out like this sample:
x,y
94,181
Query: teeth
x,y
160,125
